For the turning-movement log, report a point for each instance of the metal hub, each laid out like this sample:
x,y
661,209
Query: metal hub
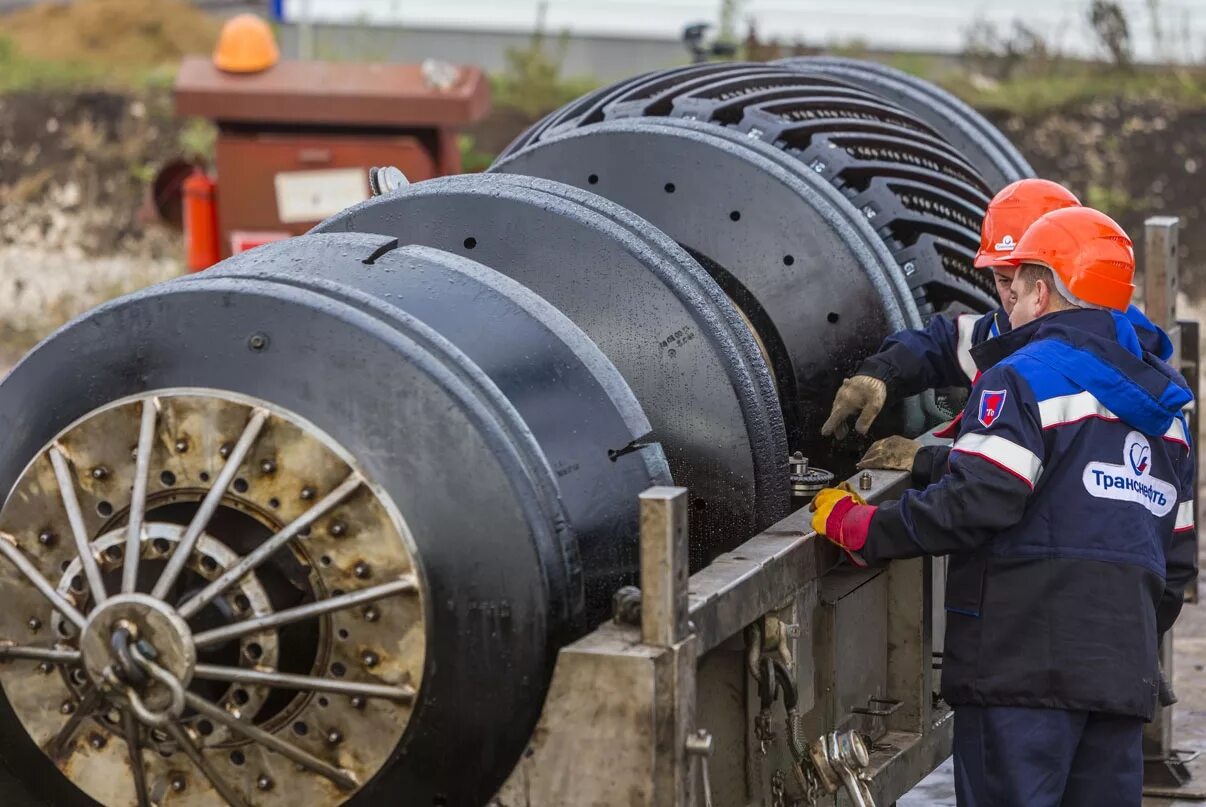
x,y
144,619
217,604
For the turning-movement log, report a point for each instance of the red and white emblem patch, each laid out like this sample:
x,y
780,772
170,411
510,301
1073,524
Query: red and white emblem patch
x,y
992,404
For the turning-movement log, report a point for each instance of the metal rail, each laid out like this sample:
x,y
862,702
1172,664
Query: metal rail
x,y
740,586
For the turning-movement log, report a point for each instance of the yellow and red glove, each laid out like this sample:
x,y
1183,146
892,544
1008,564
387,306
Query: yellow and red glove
x,y
844,517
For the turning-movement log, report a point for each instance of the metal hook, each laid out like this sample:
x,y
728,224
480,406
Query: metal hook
x,y
173,685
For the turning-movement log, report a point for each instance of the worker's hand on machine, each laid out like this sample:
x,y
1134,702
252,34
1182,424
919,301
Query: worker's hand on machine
x,y
844,517
862,395
893,453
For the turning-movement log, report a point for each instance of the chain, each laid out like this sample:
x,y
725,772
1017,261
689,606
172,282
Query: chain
x,y
778,789
768,692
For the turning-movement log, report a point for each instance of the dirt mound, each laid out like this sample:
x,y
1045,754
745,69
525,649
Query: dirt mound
x,y
1132,158
73,171
117,34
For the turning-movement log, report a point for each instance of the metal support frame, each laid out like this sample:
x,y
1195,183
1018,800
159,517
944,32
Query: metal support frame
x,y
1191,369
620,697
1164,771
625,698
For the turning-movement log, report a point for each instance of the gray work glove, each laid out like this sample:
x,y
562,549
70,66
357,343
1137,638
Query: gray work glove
x,y
893,453
861,395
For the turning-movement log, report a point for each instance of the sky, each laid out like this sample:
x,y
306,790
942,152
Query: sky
x,y
940,25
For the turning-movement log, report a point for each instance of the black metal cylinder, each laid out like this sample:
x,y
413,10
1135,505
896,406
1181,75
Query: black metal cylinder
x,y
689,358
524,520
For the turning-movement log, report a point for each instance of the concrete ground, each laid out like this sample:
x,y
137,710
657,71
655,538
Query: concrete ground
x,y
1189,719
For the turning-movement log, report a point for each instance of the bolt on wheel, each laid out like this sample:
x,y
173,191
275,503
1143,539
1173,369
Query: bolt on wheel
x,y
215,601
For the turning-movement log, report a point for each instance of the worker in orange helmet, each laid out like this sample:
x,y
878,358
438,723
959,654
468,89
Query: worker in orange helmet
x,y
1067,512
939,356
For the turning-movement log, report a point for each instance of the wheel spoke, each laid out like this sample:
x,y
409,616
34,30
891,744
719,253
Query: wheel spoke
x,y
195,756
309,683
130,726
56,749
341,778
9,651
138,502
79,532
8,548
266,549
406,583
212,499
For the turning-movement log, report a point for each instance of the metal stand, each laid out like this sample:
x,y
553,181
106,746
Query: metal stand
x,y
851,653
1164,768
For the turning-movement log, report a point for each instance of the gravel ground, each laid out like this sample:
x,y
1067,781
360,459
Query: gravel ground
x,y
41,289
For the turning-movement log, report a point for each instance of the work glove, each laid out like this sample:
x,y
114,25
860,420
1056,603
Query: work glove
x,y
893,453
862,395
844,517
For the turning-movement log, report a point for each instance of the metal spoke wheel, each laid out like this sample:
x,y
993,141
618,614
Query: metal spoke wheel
x,y
207,602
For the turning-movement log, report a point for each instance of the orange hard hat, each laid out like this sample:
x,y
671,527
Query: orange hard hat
x,y
1089,252
246,45
1012,210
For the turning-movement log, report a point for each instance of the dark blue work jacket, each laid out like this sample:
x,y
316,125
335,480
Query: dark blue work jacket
x,y
940,356
1067,512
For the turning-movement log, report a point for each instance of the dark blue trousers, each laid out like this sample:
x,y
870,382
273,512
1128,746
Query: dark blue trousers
x,y
1017,757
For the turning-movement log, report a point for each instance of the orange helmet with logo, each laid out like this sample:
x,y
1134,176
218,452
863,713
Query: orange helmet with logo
x,y
1088,251
246,45
1012,211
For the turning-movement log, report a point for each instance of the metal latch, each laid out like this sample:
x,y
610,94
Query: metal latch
x,y
877,707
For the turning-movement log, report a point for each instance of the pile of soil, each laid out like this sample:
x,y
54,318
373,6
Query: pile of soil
x,y
73,226
124,35
1132,158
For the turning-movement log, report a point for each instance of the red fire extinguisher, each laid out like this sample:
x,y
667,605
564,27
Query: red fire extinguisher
x,y
200,220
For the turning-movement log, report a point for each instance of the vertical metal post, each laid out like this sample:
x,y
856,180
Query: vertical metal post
x,y
664,625
1160,284
910,643
663,566
1191,368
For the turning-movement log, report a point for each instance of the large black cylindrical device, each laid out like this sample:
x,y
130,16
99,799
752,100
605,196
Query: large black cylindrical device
x,y
310,527
829,214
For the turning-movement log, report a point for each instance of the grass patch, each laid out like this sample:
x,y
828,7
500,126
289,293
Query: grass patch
x,y
1043,85
1071,84
19,71
532,82
473,160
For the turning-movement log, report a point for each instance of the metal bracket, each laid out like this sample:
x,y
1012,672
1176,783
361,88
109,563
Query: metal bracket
x,y
878,707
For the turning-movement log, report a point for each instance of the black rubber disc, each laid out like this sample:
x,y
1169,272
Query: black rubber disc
x,y
493,319
809,273
663,322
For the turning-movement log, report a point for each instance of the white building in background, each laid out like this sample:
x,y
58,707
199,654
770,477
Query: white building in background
x,y
926,25
615,37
